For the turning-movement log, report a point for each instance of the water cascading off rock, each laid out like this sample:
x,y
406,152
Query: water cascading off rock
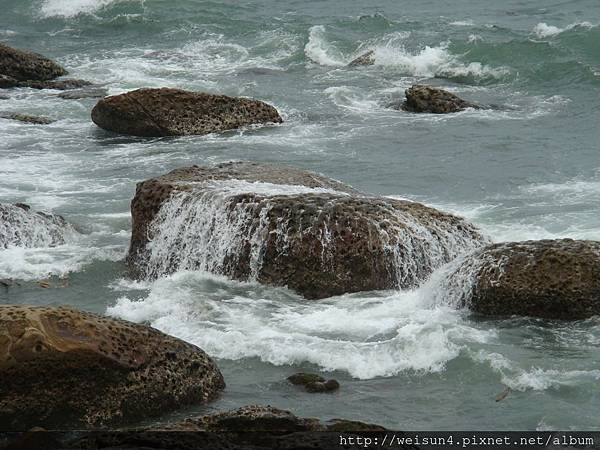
x,y
287,227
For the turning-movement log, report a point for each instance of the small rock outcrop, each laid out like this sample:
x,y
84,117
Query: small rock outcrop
x,y
175,112
26,118
65,369
313,383
22,69
22,65
22,227
429,99
366,59
550,279
288,227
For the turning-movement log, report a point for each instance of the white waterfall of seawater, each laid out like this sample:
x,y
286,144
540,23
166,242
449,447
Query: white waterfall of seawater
x,y
22,228
211,228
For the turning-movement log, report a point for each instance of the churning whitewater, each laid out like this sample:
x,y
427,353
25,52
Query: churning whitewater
x,y
522,166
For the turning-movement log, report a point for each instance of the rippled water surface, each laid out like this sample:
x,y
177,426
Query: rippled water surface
x,y
528,168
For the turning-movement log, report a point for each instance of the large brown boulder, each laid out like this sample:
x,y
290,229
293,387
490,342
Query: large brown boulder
x,y
22,65
551,279
175,112
62,368
429,99
288,227
22,227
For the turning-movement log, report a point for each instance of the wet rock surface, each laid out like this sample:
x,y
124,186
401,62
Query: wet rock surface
x,y
366,59
175,112
21,65
429,99
314,383
65,369
20,226
323,242
551,279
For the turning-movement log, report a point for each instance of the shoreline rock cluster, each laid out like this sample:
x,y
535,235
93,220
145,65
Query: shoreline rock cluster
x,y
63,368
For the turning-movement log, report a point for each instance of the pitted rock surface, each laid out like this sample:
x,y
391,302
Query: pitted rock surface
x,y
62,368
175,112
22,227
552,279
22,65
429,99
320,244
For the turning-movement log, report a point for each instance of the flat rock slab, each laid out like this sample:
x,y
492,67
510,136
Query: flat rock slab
x,y
66,369
175,112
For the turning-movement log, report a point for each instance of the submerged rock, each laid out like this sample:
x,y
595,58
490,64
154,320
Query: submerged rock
x,y
322,386
429,99
89,92
288,227
22,65
64,369
551,279
22,227
313,383
174,112
367,59
305,378
26,118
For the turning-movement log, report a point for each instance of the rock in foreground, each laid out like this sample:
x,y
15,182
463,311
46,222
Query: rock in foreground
x,y
252,427
551,279
65,369
174,112
22,227
428,99
287,227
26,118
26,66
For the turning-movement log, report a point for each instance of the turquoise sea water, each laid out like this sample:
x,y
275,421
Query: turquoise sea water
x,y
527,169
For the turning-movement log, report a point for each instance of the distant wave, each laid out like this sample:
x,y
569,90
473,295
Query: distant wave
x,y
427,62
72,8
543,30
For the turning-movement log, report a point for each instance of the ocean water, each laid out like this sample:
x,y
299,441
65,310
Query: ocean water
x,y
528,168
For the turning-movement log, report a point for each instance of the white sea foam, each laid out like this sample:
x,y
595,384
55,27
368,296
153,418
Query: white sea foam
x,y
72,8
36,263
366,336
429,61
320,51
543,30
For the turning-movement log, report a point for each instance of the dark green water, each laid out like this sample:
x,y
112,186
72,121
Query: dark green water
x,y
527,169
